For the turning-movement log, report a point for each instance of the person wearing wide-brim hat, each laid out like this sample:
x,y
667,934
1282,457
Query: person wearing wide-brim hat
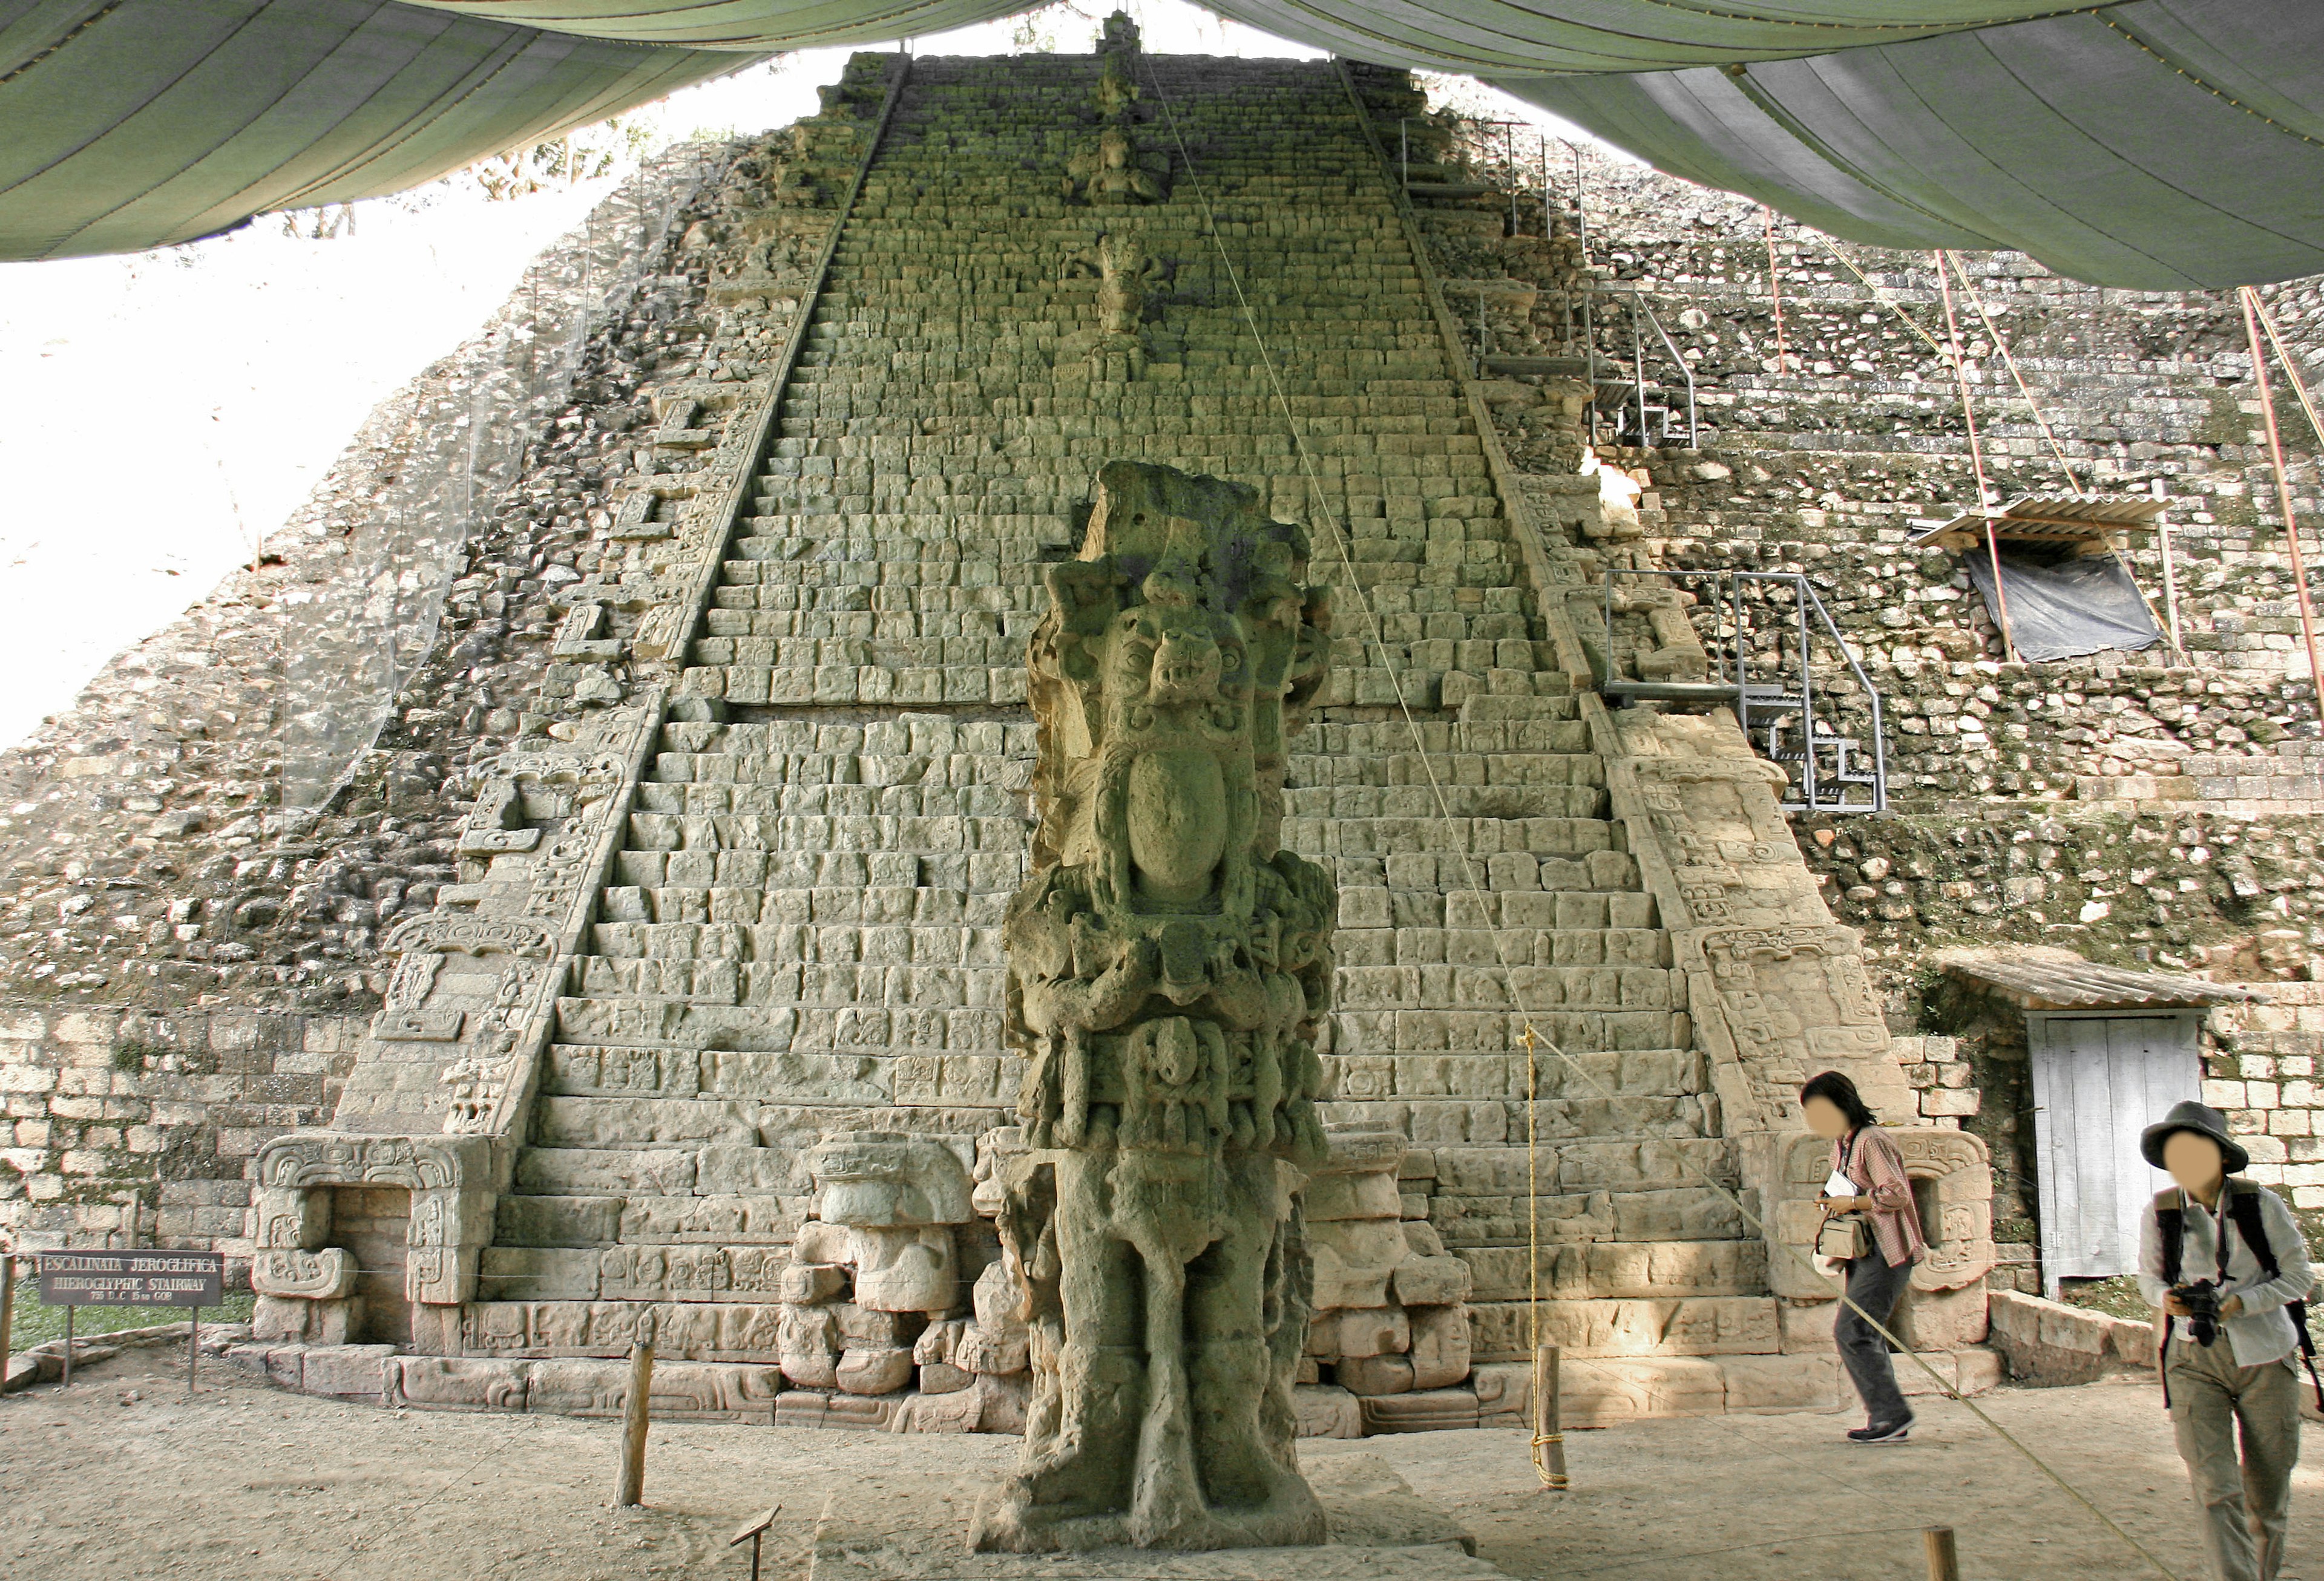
x,y
2224,1262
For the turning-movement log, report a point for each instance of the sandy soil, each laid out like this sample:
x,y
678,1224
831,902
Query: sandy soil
x,y
121,1475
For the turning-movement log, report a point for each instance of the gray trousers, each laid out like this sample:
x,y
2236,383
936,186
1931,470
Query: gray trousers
x,y
2245,1502
1875,1286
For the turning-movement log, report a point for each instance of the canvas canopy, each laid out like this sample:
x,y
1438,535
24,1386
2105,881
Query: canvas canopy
x,y
2157,143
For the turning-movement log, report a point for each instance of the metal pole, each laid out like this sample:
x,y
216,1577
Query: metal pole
x,y
7,1305
754,1556
1944,1560
1509,152
1548,1410
1807,699
631,1489
68,1317
1638,369
1548,214
1589,289
2283,496
193,1349
2253,316
1404,140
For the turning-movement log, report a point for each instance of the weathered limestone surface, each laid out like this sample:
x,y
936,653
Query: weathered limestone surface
x,y
743,919
904,1527
1168,963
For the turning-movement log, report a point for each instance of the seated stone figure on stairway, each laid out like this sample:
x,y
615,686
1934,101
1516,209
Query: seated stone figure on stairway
x,y
1168,967
1110,173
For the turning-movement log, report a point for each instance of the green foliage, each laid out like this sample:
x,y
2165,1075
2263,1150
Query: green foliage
x,y
2118,1297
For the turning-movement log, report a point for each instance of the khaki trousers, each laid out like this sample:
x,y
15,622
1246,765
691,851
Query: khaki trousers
x,y
2245,1502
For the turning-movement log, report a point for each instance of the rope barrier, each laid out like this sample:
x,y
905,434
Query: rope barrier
x,y
1468,858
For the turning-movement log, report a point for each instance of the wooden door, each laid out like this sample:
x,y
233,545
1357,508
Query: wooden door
x,y
2098,1080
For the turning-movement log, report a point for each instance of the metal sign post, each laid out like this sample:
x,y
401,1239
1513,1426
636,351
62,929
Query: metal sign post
x,y
754,1529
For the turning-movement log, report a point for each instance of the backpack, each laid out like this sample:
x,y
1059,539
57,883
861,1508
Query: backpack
x,y
2244,1213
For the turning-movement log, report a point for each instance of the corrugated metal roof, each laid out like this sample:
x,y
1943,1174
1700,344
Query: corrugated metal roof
x,y
2058,980
2054,518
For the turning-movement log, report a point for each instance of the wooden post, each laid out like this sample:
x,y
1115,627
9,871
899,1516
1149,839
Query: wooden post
x,y
1944,1563
1548,1407
631,1488
2171,589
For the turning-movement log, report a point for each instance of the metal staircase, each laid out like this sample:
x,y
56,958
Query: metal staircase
x,y
1763,636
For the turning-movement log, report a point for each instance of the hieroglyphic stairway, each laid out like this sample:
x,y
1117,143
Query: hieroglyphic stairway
x,y
705,1046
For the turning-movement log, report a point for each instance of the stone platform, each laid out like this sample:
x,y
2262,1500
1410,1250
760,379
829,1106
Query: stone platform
x,y
914,1528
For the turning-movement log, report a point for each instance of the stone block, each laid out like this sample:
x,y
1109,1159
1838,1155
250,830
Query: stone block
x,y
1440,1347
1785,1383
909,1269
1349,1195
307,1323
874,1369
1504,1391
350,1371
2048,1343
436,1383
1364,1375
1354,1260
1429,1282
1368,1331
1327,1412
942,1378
804,1284
1425,1410
1610,1391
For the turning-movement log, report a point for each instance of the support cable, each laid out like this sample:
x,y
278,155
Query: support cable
x,y
2002,343
2251,306
1976,462
1324,509
1774,290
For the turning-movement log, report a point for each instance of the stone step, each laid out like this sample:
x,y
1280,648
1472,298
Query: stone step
x,y
662,1120
1419,944
520,1220
778,1026
724,980
1457,769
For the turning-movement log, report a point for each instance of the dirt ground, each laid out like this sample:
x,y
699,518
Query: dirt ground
x,y
122,1476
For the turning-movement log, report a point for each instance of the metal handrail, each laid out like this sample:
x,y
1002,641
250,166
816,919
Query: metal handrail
x,y
1686,369
1775,697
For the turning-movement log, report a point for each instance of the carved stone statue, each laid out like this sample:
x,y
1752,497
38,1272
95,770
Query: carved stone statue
x,y
1118,34
1109,172
1125,273
1167,967
1117,91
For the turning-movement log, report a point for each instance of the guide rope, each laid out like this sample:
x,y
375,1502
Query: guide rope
x,y
1977,461
1321,507
2252,314
2001,344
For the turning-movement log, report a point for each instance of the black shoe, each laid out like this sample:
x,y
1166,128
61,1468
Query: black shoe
x,y
1896,1432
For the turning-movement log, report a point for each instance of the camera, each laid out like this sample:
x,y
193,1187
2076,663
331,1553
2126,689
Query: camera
x,y
2201,1299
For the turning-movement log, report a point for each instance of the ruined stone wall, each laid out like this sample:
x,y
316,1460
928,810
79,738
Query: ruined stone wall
x,y
184,953
2142,809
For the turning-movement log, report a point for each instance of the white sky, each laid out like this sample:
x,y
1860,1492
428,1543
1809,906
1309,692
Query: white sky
x,y
162,413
